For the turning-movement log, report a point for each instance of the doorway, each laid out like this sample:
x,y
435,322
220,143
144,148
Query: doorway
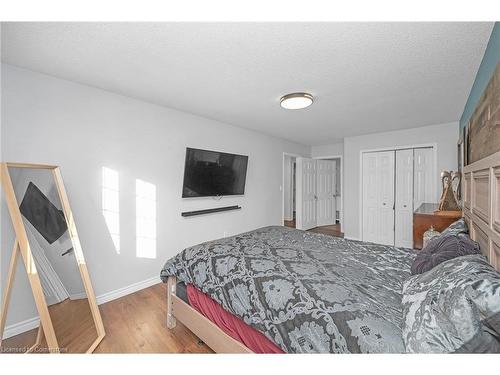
x,y
320,207
338,199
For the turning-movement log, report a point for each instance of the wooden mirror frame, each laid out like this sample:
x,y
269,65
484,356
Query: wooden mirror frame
x,y
21,243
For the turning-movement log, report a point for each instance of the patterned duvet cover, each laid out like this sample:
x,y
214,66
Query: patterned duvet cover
x,y
307,292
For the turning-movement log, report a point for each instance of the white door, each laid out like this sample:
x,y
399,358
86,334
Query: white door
x,y
325,191
370,198
385,183
403,236
424,184
306,193
378,197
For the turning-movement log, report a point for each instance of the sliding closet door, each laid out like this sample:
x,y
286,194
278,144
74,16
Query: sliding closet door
x,y
424,177
370,198
403,235
325,191
378,197
306,193
386,196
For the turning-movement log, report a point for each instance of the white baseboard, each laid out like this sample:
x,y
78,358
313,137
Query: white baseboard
x,y
29,324
353,238
18,328
80,295
110,296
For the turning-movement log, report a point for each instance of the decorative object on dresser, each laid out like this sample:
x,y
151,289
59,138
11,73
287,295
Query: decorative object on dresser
x,y
428,215
449,197
428,234
47,241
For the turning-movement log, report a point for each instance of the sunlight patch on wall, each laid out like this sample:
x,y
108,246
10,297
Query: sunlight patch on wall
x,y
111,204
145,200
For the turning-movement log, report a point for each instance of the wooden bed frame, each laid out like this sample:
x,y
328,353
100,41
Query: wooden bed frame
x,y
481,208
481,192
202,327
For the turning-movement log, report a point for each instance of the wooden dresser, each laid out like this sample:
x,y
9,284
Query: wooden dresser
x,y
424,217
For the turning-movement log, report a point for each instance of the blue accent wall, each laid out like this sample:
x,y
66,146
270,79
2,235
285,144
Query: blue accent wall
x,y
490,59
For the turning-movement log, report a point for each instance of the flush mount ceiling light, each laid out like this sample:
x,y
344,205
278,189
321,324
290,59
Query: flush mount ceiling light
x,y
297,100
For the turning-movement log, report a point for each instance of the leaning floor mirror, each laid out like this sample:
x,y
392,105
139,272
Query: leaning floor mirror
x,y
45,239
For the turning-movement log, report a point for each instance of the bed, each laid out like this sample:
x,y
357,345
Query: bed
x,y
303,291
306,292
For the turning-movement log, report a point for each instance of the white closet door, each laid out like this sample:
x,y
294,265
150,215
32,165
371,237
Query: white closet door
x,y
403,235
306,193
424,184
371,207
385,183
325,191
378,197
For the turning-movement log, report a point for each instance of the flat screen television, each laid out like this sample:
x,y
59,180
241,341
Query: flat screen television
x,y
211,173
47,219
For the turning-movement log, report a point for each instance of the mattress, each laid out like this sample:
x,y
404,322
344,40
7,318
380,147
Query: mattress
x,y
227,322
306,292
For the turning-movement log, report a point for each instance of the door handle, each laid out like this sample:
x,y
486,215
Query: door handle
x,y
383,204
315,197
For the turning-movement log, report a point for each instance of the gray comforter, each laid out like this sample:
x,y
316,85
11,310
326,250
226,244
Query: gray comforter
x,y
306,292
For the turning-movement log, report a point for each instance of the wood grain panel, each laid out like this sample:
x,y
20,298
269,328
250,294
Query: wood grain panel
x,y
481,194
467,189
482,239
496,200
495,255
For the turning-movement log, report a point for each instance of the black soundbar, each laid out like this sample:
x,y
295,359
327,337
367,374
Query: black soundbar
x,y
209,211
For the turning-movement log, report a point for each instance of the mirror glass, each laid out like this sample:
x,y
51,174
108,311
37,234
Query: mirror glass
x,y
55,259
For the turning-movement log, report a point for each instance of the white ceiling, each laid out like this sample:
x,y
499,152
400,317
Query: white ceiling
x,y
366,77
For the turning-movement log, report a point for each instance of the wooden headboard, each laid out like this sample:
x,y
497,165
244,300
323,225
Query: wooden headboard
x,y
481,201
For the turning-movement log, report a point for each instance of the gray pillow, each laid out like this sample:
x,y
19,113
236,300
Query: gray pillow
x,y
442,248
457,227
454,308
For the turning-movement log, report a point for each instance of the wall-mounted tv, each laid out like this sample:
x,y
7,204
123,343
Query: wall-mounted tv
x,y
211,173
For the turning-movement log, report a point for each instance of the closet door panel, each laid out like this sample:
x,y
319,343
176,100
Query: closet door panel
x,y
325,191
423,184
404,199
378,197
385,185
371,209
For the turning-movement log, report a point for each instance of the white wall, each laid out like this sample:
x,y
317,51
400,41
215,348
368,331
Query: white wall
x,y
334,149
444,136
82,129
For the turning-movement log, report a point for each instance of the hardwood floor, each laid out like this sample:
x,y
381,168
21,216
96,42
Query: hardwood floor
x,y
134,324
331,230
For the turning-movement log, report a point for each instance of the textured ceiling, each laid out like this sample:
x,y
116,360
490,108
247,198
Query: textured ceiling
x,y
366,77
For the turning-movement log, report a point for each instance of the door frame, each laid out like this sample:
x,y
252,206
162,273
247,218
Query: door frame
x,y
283,183
434,146
341,157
